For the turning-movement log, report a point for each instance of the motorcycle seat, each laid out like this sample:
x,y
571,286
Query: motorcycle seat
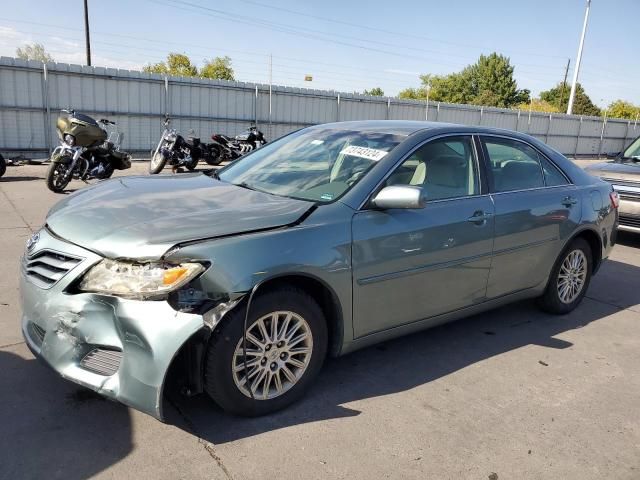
x,y
193,140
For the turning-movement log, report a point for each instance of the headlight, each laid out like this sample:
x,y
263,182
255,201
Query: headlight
x,y
70,140
141,280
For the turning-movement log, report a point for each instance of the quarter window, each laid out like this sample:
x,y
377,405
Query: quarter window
x,y
444,168
552,176
514,165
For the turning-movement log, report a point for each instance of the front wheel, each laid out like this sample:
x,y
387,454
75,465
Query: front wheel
x,y
57,178
286,342
569,279
157,162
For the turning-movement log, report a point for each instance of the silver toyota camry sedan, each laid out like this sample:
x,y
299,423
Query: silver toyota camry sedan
x,y
327,240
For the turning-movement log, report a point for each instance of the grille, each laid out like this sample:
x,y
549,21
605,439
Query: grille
x,y
47,267
629,220
102,361
37,333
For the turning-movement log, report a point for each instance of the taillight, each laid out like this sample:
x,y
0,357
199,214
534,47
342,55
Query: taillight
x,y
615,199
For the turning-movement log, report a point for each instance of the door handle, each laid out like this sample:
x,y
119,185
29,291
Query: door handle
x,y
568,201
480,217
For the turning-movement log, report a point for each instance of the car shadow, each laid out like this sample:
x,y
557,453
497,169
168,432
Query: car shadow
x,y
407,362
7,178
51,428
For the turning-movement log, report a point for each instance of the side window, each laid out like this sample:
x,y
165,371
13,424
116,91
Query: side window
x,y
444,168
552,176
514,165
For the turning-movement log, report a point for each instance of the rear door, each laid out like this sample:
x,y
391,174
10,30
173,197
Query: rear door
x,y
534,205
410,265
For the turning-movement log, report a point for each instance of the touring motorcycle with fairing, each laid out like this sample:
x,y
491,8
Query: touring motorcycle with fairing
x,y
88,150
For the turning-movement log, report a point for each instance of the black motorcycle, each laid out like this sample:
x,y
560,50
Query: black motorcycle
x,y
3,165
87,151
177,150
225,148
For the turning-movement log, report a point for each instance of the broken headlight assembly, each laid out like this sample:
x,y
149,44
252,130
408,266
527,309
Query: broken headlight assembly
x,y
138,280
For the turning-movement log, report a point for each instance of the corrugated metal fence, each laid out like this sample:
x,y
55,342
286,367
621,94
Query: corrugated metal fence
x,y
31,95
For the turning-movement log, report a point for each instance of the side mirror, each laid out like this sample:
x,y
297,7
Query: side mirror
x,y
399,196
612,154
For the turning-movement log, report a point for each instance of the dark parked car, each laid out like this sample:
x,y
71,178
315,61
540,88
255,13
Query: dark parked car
x,y
327,240
623,172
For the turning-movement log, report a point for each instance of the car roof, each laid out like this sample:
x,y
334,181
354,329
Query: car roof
x,y
409,127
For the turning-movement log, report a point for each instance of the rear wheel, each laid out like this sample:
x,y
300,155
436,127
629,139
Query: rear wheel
x,y
157,163
214,156
191,164
286,342
56,181
569,279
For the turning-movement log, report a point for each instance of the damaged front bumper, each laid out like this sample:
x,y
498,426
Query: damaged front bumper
x,y
118,347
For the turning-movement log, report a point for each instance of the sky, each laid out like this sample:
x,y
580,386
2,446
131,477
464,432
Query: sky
x,y
345,45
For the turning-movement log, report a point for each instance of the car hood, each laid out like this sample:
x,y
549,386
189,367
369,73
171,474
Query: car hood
x,y
142,217
616,171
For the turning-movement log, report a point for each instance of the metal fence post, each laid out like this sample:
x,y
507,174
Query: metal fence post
x,y
438,111
518,121
426,111
546,135
47,109
481,113
388,107
338,109
166,95
575,150
604,126
255,107
636,122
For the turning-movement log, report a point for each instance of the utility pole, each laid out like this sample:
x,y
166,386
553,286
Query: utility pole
x,y
572,95
564,82
86,32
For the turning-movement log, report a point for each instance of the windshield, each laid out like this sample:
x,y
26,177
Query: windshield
x,y
633,151
318,164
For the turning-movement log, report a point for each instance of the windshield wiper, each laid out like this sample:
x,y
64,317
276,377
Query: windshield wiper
x,y
247,186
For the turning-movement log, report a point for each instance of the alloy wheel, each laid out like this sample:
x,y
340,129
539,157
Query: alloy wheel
x,y
278,350
572,276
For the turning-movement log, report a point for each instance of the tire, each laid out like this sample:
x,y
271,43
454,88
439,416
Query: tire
x,y
215,155
553,300
54,182
225,347
3,166
157,162
191,166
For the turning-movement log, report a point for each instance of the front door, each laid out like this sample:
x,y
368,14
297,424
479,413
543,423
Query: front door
x,y
410,265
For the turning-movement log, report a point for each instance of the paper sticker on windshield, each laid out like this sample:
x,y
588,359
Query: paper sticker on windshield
x,y
317,142
364,152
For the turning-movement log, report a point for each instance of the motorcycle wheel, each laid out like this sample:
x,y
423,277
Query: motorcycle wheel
x,y
191,164
55,177
157,162
3,166
215,155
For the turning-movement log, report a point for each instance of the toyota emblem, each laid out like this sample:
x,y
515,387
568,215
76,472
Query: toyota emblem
x,y
31,243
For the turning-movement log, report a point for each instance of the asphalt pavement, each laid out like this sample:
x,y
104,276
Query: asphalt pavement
x,y
509,394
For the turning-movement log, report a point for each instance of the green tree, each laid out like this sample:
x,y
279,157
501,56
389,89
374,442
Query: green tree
x,y
374,92
488,82
559,96
34,51
538,105
177,64
623,109
219,68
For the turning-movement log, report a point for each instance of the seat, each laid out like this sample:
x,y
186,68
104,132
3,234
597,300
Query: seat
x,y
519,175
446,177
